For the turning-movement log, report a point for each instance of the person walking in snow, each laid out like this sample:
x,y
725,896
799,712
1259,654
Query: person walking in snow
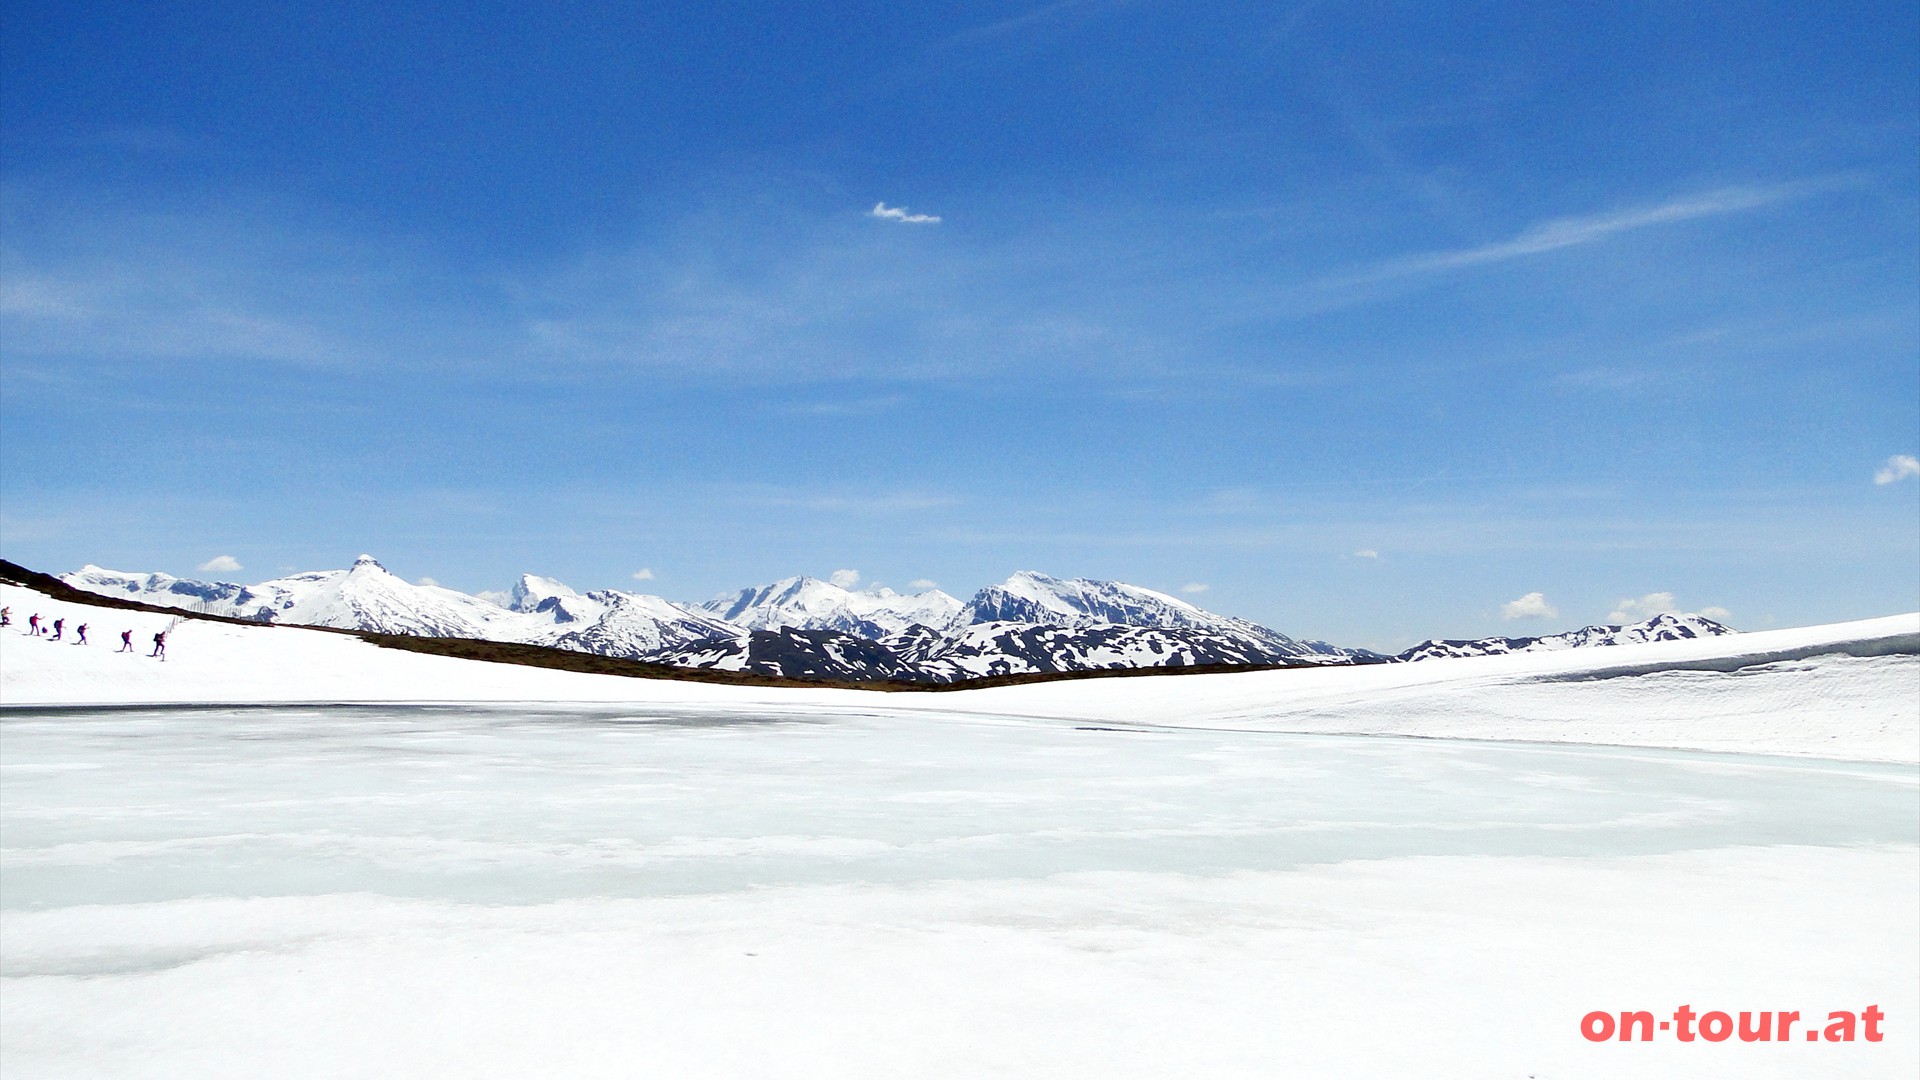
x,y
59,625
159,645
6,616
81,631
126,641
34,622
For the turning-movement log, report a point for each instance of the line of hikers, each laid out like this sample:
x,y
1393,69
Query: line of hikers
x,y
59,627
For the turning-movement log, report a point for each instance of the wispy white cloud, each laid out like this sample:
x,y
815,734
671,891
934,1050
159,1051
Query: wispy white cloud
x,y
899,213
903,502
1366,553
1025,22
1716,613
1193,587
427,581
846,579
220,564
1531,606
1566,232
643,574
923,583
1898,467
868,406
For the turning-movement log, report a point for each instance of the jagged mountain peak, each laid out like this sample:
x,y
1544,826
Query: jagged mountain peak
x,y
532,590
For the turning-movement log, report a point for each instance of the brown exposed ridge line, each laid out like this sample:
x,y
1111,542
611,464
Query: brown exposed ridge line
x,y
544,656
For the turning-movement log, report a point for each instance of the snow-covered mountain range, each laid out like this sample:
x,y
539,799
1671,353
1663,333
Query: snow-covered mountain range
x,y
1658,628
808,628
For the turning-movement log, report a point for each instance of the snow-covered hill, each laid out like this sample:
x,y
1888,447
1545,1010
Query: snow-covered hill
x,y
1658,628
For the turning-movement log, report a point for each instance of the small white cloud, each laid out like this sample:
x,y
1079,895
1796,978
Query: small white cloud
x,y
497,597
846,579
428,581
1898,467
923,583
1716,613
1531,606
643,574
1366,553
899,213
1192,587
1657,603
220,564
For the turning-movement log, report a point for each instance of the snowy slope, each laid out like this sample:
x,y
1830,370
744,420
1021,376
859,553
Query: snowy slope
x,y
1658,628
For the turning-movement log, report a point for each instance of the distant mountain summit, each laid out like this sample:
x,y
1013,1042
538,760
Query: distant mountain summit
x,y
807,603
803,627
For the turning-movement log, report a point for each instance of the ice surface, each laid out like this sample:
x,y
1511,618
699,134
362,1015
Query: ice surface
x,y
519,805
712,891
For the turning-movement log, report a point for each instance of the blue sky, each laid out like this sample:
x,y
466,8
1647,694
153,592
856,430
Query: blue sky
x,y
1372,319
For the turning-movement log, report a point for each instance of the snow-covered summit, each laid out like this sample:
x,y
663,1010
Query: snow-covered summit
x,y
1040,599
1032,597
560,605
807,603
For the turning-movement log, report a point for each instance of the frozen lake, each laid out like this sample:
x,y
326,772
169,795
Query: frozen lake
x,y
524,805
223,854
